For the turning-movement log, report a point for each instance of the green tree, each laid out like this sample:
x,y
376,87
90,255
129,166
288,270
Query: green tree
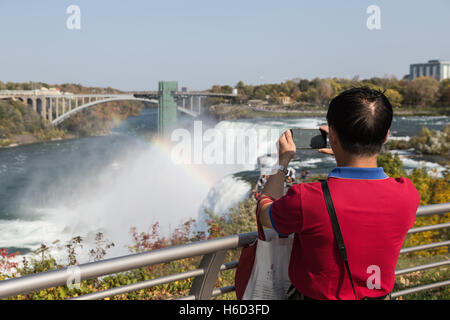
x,y
444,99
392,165
10,86
394,97
445,83
444,93
303,85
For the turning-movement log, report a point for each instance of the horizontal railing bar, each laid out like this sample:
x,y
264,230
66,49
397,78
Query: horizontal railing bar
x,y
53,278
216,292
429,228
425,246
229,265
232,265
420,288
422,267
396,294
431,209
150,283
140,285
191,297
219,291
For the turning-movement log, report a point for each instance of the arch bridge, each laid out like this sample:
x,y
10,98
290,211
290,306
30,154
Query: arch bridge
x,y
56,107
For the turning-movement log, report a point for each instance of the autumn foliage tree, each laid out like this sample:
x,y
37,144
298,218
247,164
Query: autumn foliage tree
x,y
422,91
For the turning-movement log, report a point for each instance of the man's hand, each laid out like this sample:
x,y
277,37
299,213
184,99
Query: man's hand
x,y
274,186
328,151
286,148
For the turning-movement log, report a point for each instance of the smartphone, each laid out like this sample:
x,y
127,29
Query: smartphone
x,y
309,138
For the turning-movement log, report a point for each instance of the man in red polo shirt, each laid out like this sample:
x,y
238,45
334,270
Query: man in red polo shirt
x,y
374,211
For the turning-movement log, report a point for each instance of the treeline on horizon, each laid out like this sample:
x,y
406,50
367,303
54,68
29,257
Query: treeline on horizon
x,y
419,93
65,87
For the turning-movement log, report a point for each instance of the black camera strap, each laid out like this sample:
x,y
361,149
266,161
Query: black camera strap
x,y
337,230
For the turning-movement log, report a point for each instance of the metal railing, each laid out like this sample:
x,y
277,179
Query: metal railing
x,y
213,255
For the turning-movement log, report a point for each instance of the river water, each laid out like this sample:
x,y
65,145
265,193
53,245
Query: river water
x,y
57,190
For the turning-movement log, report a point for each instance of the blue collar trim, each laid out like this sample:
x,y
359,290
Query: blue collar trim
x,y
358,173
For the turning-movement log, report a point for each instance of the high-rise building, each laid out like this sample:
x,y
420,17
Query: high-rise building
x,y
439,70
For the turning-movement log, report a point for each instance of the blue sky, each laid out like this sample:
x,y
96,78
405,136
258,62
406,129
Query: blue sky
x,y
132,44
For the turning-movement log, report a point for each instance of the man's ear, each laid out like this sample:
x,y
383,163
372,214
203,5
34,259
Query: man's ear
x,y
387,136
331,136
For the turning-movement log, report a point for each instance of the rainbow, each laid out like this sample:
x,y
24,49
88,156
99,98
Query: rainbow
x,y
197,172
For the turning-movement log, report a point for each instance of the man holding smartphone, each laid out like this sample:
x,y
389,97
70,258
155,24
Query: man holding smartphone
x,y
374,211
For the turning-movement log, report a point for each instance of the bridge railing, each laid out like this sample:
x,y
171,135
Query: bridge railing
x,y
213,254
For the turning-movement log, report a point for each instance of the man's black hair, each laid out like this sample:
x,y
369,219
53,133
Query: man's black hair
x,y
361,117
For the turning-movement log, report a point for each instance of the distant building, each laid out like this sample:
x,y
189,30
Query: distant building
x,y
285,100
48,91
257,103
440,70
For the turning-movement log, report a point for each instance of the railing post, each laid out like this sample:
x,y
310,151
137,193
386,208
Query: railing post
x,y
203,286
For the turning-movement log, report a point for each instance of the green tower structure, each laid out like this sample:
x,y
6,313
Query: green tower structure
x,y
167,107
